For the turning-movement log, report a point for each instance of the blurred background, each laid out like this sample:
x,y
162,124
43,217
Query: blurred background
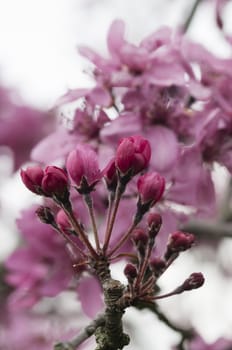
x,y
39,62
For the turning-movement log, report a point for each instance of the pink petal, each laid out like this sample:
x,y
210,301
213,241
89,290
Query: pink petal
x,y
115,39
90,295
165,148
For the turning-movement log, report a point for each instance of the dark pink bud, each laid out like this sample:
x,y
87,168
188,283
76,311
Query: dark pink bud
x,y
110,175
195,280
55,181
151,187
45,215
32,178
139,236
63,221
154,223
180,241
130,272
82,166
157,266
133,154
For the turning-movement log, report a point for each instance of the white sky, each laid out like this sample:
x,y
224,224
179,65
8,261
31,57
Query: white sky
x,y
38,38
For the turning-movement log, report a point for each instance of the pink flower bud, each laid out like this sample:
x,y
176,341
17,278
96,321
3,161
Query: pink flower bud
x,y
157,265
151,187
133,154
139,236
195,280
45,215
180,241
130,272
55,181
110,175
63,221
32,178
82,166
154,221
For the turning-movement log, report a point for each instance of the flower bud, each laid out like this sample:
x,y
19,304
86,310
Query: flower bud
x,y
139,236
140,240
55,182
63,221
157,265
130,272
110,175
195,280
82,166
45,215
133,154
179,242
154,223
32,178
151,187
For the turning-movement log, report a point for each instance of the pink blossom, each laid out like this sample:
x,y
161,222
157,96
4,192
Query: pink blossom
x,y
15,116
42,267
90,295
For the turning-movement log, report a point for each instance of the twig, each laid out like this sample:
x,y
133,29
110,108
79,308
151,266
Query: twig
x,y
185,333
191,14
82,336
209,230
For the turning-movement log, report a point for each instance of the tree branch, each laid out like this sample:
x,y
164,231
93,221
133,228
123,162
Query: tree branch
x,y
209,230
82,336
185,333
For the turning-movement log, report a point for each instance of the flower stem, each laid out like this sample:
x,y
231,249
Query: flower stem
x,y
81,233
112,217
123,239
144,266
70,241
89,202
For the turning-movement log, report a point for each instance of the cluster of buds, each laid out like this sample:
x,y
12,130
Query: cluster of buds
x,y
82,174
142,275
51,182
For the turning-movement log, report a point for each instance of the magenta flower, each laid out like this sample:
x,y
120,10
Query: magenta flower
x,y
133,154
42,267
32,178
13,120
151,187
83,168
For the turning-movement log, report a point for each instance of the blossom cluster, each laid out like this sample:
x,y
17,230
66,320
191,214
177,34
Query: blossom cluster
x,y
76,250
174,97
